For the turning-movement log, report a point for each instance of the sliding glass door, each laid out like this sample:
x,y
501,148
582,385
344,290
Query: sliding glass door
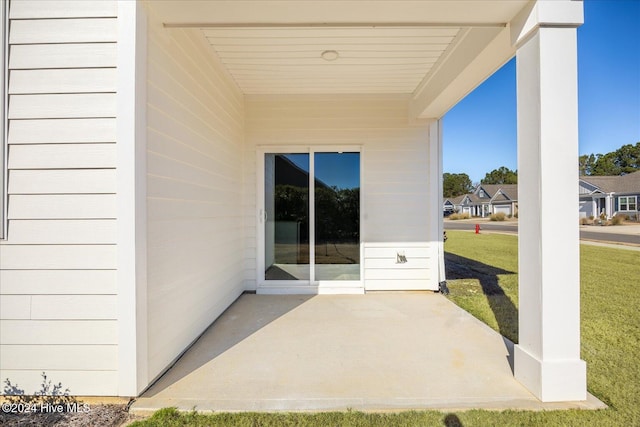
x,y
286,195
337,216
311,216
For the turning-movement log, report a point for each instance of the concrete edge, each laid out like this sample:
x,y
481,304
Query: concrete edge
x,y
91,400
614,245
369,405
602,243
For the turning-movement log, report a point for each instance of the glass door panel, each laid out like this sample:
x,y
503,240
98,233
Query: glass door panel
x,y
287,217
337,216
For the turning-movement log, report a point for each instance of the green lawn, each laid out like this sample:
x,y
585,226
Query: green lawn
x,y
609,309
486,284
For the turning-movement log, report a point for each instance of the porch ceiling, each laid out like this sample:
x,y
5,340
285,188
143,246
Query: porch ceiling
x,y
369,60
433,50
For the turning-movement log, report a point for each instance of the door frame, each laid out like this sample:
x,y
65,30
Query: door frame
x,y
302,286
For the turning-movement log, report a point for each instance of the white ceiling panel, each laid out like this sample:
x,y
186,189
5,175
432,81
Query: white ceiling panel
x,y
435,50
369,60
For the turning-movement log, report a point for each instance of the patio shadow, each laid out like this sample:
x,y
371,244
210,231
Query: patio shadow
x,y
233,326
505,312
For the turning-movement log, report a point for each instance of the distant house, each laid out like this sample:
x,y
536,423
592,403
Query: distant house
x,y
467,203
609,195
448,204
485,200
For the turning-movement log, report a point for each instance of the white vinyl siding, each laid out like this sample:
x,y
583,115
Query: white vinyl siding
x,y
63,81
63,56
395,176
58,263
195,137
57,282
3,119
63,131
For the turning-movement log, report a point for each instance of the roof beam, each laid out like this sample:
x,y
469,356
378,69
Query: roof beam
x,y
474,58
331,13
333,25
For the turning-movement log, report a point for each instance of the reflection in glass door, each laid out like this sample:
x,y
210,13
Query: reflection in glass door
x,y
312,217
337,216
287,216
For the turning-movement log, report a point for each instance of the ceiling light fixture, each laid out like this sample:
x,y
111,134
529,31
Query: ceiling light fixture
x,y
329,55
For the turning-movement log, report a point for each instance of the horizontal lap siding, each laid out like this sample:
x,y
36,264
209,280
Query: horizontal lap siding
x,y
195,244
395,170
63,81
58,264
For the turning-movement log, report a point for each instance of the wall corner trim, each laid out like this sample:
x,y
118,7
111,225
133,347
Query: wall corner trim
x,y
131,196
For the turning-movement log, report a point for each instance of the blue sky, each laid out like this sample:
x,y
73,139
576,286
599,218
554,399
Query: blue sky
x,y
480,132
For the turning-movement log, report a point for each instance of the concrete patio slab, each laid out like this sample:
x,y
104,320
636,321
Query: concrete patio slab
x,y
379,351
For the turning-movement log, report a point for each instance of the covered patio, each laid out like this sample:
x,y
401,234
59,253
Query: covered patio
x,y
146,142
380,351
230,87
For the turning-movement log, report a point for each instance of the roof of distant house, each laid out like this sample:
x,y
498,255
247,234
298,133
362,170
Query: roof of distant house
x,y
458,199
510,190
629,183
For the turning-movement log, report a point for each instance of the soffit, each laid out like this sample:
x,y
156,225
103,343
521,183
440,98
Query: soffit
x,y
418,47
369,60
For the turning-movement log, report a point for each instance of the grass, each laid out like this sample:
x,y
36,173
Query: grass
x,y
482,277
485,267
609,313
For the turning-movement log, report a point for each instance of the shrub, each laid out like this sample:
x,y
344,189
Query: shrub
x,y
49,394
591,217
618,219
515,215
500,216
457,216
585,221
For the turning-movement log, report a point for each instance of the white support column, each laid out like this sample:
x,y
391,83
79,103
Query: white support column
x,y
547,357
608,206
435,189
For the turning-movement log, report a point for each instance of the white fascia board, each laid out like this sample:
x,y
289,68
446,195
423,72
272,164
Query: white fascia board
x,y
435,98
320,12
559,13
478,56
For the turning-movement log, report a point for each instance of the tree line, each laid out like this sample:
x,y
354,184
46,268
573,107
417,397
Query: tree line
x,y
625,159
455,184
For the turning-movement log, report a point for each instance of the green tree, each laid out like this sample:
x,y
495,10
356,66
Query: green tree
x,y
605,165
502,175
628,158
455,184
625,159
586,163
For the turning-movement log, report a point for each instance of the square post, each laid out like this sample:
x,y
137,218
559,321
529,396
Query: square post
x,y
436,224
547,357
